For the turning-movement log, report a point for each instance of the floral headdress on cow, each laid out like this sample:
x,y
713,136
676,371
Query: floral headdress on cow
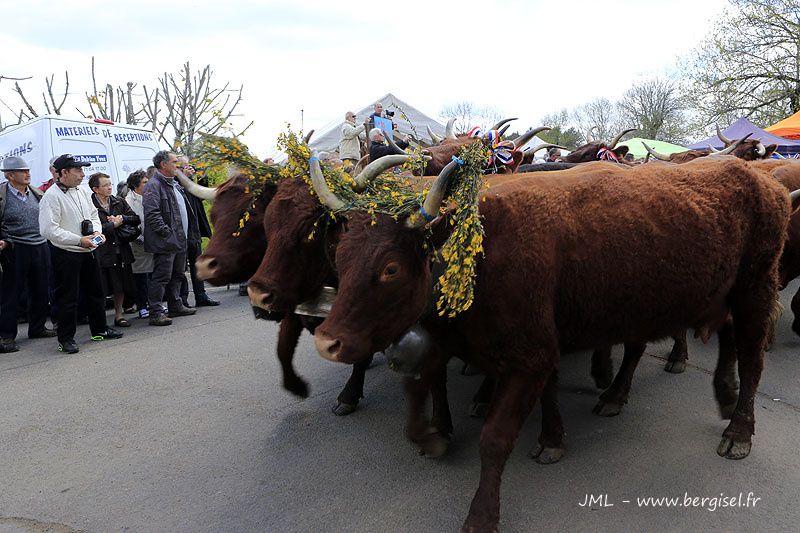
x,y
219,152
396,196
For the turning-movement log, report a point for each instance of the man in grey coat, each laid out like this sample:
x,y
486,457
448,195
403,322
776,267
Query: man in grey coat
x,y
166,227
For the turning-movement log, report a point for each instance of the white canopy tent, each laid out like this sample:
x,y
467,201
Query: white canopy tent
x,y
326,138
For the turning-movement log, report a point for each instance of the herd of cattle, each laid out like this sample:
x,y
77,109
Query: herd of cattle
x,y
594,254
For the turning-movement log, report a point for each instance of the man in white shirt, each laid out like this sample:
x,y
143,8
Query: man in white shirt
x,y
68,219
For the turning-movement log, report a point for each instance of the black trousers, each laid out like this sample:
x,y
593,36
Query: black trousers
x,y
24,271
142,286
193,251
77,273
168,271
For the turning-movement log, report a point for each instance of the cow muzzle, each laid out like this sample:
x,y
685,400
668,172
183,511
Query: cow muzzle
x,y
328,347
260,297
207,267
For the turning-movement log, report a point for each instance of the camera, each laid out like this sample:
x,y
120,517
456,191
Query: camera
x,y
87,228
389,113
97,240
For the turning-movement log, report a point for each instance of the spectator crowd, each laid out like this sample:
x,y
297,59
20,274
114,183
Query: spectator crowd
x,y
69,248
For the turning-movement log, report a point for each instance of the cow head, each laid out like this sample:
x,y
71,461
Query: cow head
x,y
296,265
233,253
598,150
385,281
747,149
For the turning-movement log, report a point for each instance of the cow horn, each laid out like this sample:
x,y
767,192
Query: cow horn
x,y
722,137
589,136
762,150
730,148
780,156
375,168
525,138
614,142
435,138
448,130
195,189
655,154
794,195
321,188
503,130
395,149
433,201
308,136
548,146
504,121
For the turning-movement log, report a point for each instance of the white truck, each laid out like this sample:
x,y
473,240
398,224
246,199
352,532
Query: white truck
x,y
115,149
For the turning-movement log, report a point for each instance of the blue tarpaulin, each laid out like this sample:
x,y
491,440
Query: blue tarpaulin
x,y
742,127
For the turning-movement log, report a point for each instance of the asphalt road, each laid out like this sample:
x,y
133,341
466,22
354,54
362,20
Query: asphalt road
x,y
187,428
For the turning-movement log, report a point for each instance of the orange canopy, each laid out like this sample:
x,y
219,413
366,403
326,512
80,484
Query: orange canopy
x,y
788,128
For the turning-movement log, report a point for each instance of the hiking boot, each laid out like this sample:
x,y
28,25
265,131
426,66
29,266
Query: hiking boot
x,y
69,346
159,319
181,311
8,346
205,301
108,334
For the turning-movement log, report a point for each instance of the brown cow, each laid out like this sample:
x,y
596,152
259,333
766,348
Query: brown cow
x,y
744,148
592,150
569,264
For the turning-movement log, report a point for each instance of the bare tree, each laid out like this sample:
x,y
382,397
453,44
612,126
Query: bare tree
x,y
469,114
749,64
115,104
17,115
190,106
655,108
599,115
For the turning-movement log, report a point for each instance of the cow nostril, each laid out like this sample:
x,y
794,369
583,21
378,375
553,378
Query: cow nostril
x,y
334,347
212,263
268,298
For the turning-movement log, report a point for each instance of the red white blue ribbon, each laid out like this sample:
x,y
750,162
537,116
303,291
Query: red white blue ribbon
x,y
604,154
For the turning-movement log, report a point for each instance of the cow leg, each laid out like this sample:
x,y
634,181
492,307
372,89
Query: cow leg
x,y
676,363
353,390
482,398
514,397
441,418
613,398
551,438
290,329
751,316
796,312
602,367
432,441
726,386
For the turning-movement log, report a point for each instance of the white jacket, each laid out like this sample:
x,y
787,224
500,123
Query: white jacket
x,y
349,146
61,214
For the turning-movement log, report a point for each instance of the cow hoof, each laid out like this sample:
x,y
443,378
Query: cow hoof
x,y
603,408
726,411
479,410
298,388
675,367
434,445
603,382
343,409
547,456
733,449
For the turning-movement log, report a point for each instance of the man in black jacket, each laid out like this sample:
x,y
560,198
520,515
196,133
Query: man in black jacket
x,y
194,246
167,229
378,147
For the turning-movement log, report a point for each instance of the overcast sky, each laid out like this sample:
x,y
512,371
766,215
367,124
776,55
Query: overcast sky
x,y
526,58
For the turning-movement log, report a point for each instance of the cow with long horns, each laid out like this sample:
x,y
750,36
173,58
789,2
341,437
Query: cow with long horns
x,y
565,269
744,148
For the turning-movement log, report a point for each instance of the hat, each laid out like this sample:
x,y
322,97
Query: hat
x,y
68,161
14,163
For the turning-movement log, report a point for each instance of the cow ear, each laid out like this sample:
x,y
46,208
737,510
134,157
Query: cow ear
x,y
770,149
620,151
438,231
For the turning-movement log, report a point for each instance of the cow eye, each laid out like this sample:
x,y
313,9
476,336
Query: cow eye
x,y
390,271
